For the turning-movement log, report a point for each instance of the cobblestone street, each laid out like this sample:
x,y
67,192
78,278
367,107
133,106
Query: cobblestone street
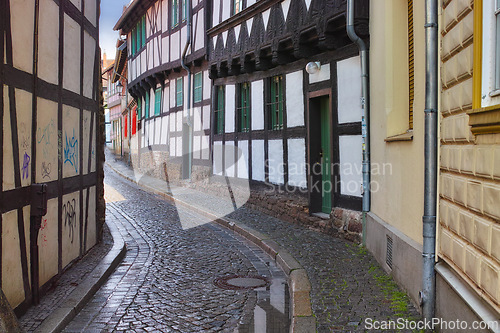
x,y
165,282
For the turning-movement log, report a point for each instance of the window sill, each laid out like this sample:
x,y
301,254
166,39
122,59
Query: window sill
x,y
485,120
494,93
408,136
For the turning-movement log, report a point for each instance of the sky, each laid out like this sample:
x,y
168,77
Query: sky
x,y
111,10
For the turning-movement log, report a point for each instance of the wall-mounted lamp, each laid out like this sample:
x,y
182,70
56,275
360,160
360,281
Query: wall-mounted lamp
x,y
313,67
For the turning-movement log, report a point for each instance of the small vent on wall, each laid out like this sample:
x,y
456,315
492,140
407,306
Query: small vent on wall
x,y
388,256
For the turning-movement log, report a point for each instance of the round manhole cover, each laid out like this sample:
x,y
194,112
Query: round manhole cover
x,y
237,282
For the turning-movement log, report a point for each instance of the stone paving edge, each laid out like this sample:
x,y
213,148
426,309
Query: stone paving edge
x,y
303,320
59,318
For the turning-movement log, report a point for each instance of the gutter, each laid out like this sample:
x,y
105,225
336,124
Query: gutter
x,y
188,126
365,104
428,293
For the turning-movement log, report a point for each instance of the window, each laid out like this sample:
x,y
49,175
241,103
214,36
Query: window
x,y
143,28
219,111
175,13
198,87
179,96
275,105
237,7
157,101
139,108
497,45
146,105
411,64
138,36
184,10
244,107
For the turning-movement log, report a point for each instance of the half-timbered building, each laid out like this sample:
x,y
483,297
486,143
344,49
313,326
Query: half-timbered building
x,y
50,162
292,128
168,76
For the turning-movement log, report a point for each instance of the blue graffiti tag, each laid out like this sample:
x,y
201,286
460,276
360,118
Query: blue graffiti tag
x,y
71,151
26,163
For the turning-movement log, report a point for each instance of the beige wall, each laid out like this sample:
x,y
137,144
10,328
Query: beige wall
x,y
469,228
398,195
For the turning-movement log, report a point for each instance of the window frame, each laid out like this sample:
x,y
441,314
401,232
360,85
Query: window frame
x,y
497,45
139,108
234,3
146,105
175,14
243,107
183,9
198,89
275,103
219,110
179,91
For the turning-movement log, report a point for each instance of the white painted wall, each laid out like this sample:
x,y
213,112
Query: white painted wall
x,y
297,162
322,75
158,131
217,159
71,64
257,97
230,159
205,150
216,11
164,130
174,46
350,164
225,10
242,159
275,162
172,147
165,52
196,147
200,30
206,117
207,85
49,49
295,99
258,172
230,108
349,90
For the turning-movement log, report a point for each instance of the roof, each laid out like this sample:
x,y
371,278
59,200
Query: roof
x,y
120,59
132,14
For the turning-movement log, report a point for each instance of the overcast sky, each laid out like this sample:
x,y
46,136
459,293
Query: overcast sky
x,y
111,10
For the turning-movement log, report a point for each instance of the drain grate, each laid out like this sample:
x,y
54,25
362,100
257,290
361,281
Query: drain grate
x,y
239,282
388,257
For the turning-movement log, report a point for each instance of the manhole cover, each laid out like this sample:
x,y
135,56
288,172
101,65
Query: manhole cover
x,y
237,282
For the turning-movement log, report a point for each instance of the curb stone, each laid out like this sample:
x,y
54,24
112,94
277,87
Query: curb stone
x,y
59,318
303,320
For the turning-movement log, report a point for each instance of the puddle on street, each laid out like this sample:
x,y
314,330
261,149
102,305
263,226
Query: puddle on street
x,y
272,312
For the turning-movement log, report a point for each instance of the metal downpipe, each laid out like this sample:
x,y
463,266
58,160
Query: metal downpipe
x,y
428,292
365,104
189,126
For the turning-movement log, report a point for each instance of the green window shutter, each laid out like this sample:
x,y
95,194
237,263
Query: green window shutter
x,y
198,87
184,10
244,107
175,13
139,108
219,116
276,103
143,21
139,37
157,101
179,92
146,105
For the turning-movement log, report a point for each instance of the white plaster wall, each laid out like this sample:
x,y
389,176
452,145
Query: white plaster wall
x,y
166,100
90,11
230,108
295,99
250,2
216,11
349,90
172,147
258,171
257,105
275,162
200,30
164,15
350,164
226,10
322,75
71,65
179,121
172,121
88,65
172,93
205,151
165,52
230,159
22,13
197,118
46,143
242,158
206,117
297,162
151,133
183,41
157,132
207,85
48,51
217,159
179,146
196,147
164,130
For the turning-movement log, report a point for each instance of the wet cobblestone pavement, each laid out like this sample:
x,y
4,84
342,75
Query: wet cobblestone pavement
x,y
69,280
165,283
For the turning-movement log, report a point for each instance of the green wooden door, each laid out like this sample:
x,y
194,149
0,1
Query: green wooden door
x,y
326,167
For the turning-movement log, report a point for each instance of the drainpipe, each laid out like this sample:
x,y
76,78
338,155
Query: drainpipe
x,y
427,295
188,130
365,104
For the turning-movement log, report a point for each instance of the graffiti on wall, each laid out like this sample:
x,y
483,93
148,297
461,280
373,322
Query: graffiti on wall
x,y
26,163
46,169
71,151
44,137
25,137
69,215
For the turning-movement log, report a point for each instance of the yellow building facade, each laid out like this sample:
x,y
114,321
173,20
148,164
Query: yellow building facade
x,y
469,203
